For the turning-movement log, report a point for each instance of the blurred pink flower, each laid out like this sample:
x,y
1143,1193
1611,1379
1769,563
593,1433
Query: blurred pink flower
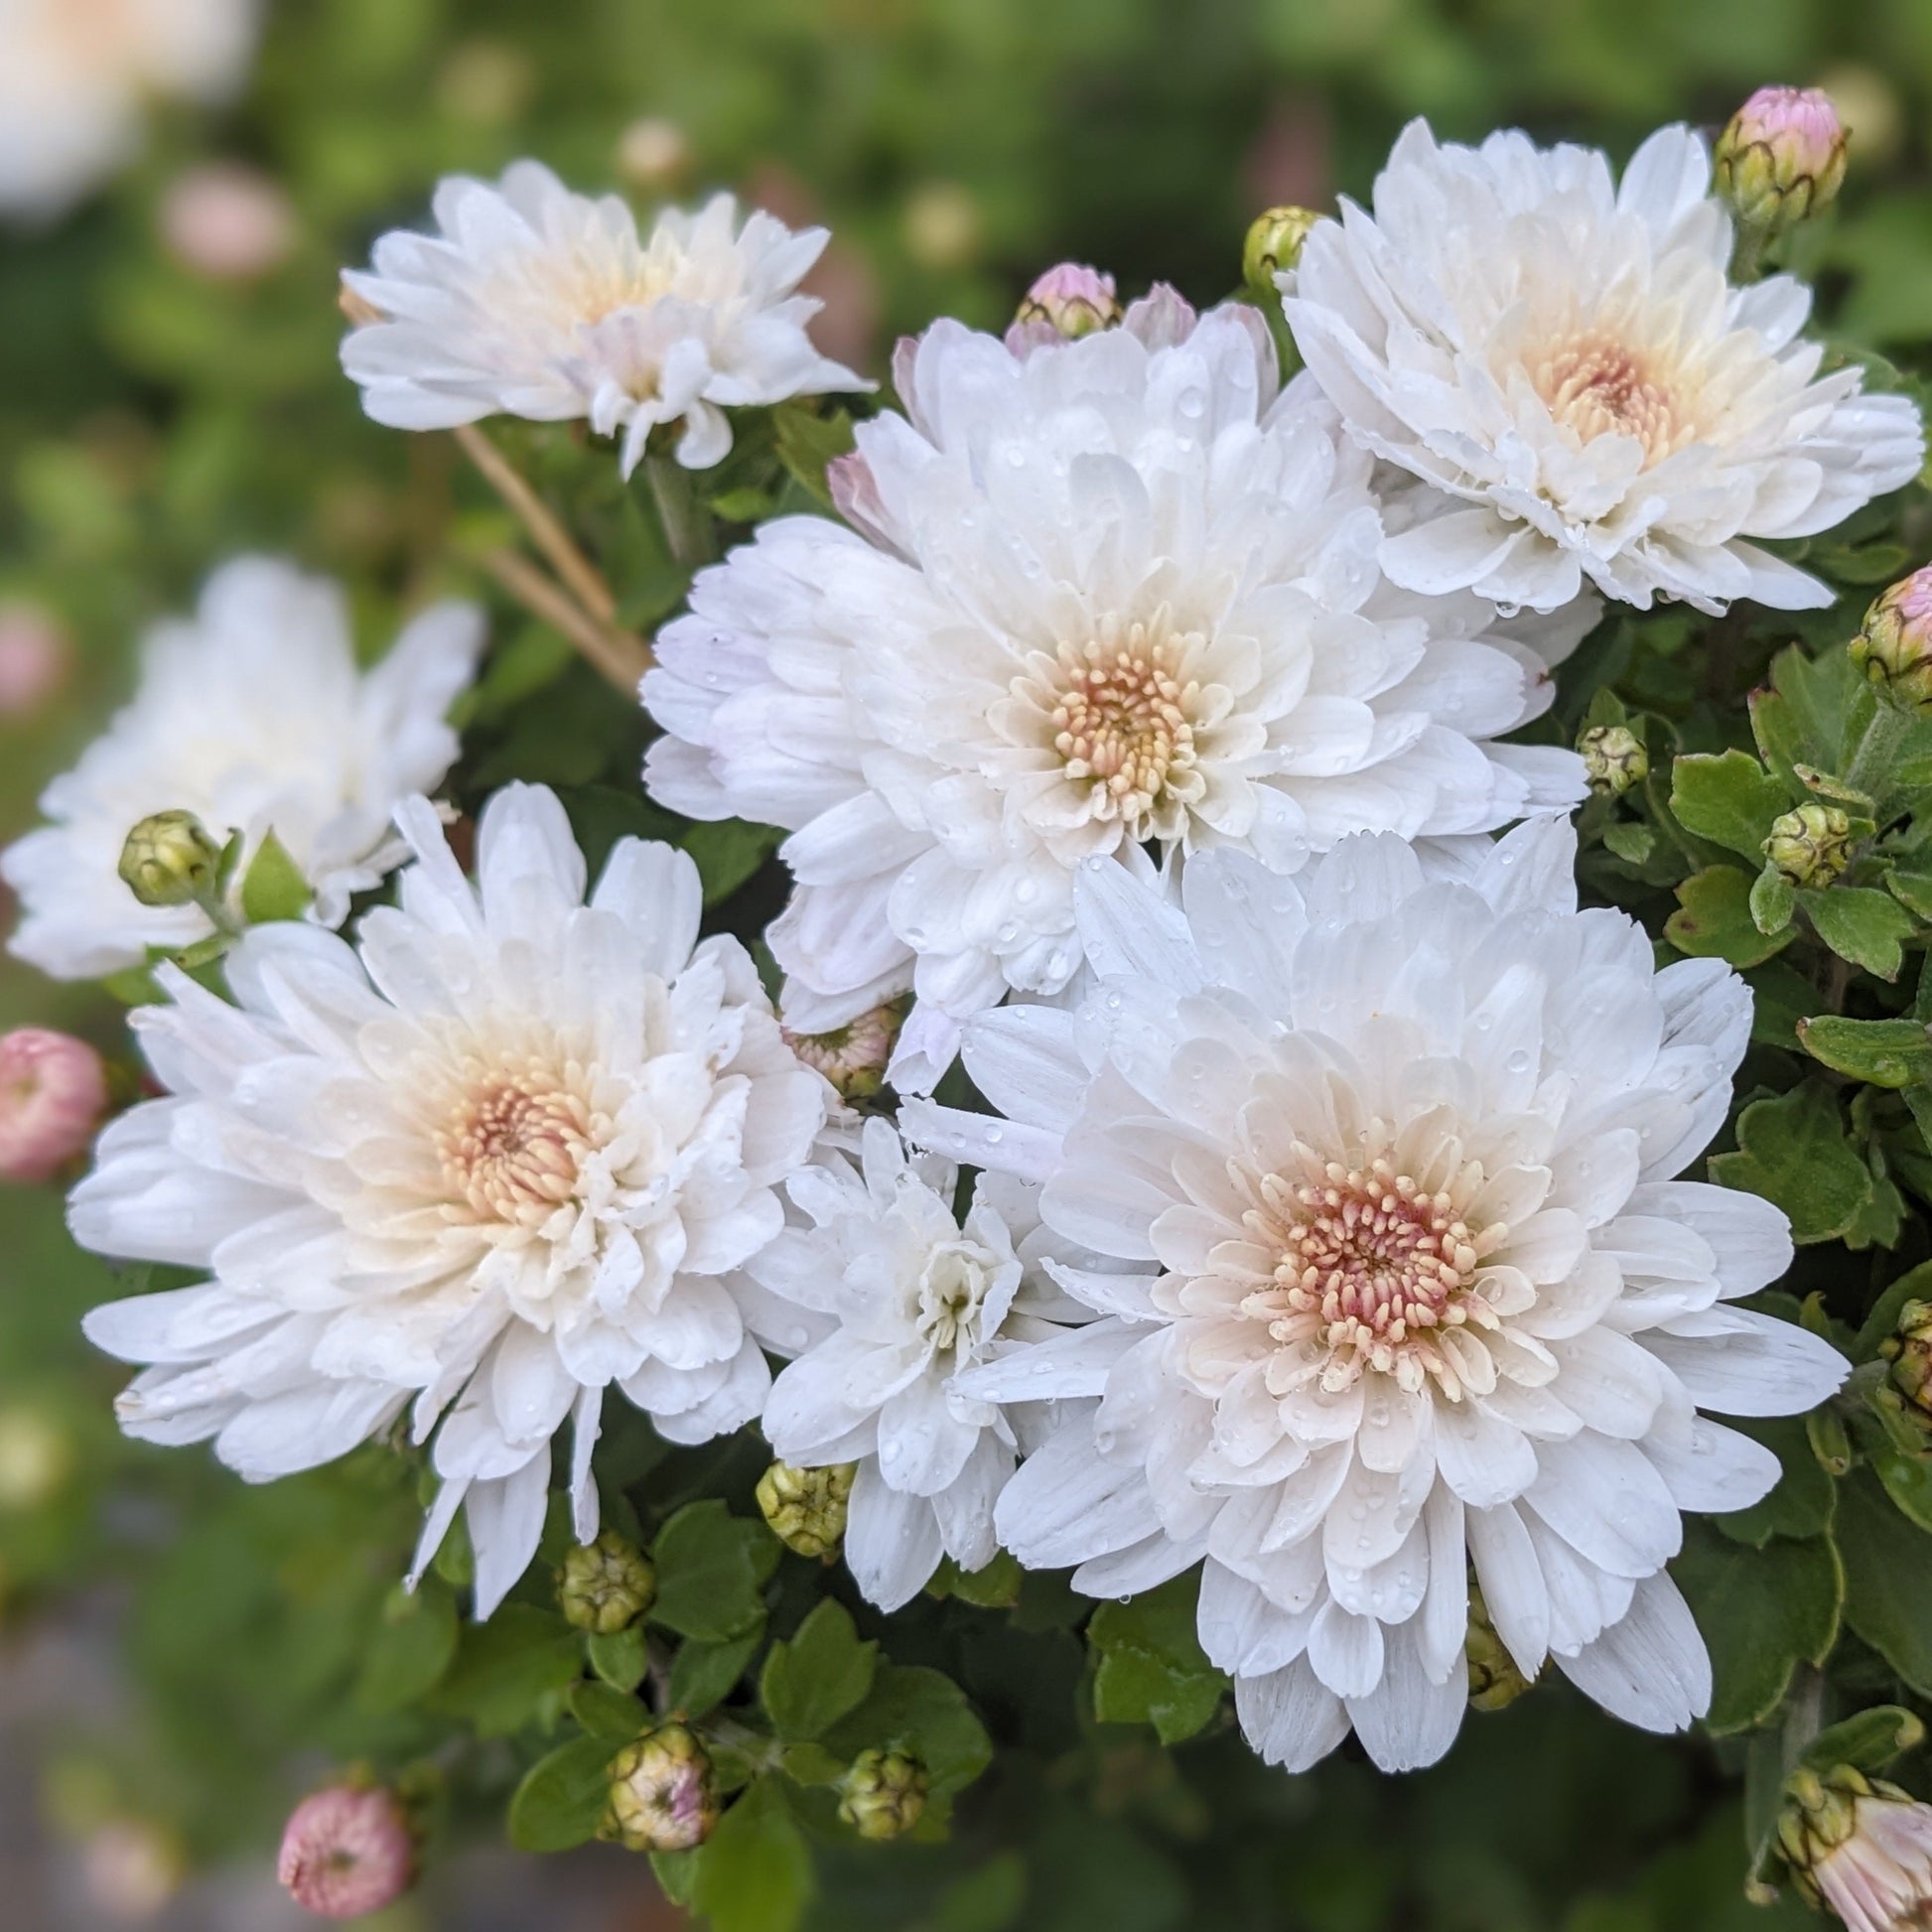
x,y
347,1852
53,1095
34,656
227,221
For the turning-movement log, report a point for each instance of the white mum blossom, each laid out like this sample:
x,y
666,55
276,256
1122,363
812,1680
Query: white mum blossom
x,y
1564,359
900,1298
1099,592
532,301
75,75
502,1153
1396,1153
253,715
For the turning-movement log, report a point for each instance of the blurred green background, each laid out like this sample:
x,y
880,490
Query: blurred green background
x,y
160,410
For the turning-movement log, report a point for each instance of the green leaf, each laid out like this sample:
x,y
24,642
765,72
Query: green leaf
x,y
1869,1741
1152,1667
727,853
989,1898
996,1587
563,1797
1887,1579
621,1659
677,1874
712,1567
1763,1612
1772,900
1792,1150
1915,1285
505,1669
922,1711
606,1713
1912,888
411,1648
1729,799
1713,919
755,1872
809,443
1870,563
810,1683
704,1674
1801,1502
1881,1052
1861,924
1907,1477
1632,840
273,887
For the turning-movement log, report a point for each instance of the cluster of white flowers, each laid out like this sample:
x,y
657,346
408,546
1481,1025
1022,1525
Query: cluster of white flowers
x,y
1144,720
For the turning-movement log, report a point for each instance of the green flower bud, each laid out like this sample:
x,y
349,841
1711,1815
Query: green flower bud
x,y
606,1585
1273,244
807,1507
170,860
1613,757
1908,1348
1811,845
1072,299
884,1793
662,1794
1494,1680
1782,158
1895,647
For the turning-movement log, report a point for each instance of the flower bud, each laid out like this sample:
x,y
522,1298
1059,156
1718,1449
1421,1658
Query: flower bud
x,y
1494,1680
663,1798
606,1585
1860,1847
884,1793
1811,845
346,1852
807,1507
1908,1348
1895,647
53,1095
853,1057
227,221
1072,299
1613,757
1274,246
1782,158
170,860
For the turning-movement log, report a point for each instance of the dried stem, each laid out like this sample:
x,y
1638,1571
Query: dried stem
x,y
617,654
579,573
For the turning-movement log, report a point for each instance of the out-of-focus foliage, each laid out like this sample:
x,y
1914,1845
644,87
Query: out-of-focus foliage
x,y
153,419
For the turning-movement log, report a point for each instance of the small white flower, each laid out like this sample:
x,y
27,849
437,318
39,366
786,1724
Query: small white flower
x,y
254,716
903,1298
1564,359
1395,1149
75,75
1099,592
501,1155
536,301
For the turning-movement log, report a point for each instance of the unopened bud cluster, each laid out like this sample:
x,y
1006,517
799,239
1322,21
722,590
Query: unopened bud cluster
x,y
1273,246
1781,158
169,858
1908,1351
806,1509
1860,1847
1613,757
606,1585
1893,647
1811,845
884,1793
663,1797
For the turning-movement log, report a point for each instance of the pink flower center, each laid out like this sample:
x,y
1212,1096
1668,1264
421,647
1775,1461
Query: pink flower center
x,y
514,1147
1594,388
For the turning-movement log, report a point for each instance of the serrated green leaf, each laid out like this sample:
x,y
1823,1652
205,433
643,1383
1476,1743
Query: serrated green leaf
x,y
1912,888
1861,924
1792,1150
1151,1668
1713,919
1729,799
563,1797
825,1670
911,1708
704,1674
1763,1612
712,1567
1632,840
1772,900
273,887
1881,1052
1888,1577
505,1669
755,1872
412,1647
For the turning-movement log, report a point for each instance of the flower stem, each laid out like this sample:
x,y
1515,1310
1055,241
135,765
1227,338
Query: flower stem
x,y
618,655
579,573
687,523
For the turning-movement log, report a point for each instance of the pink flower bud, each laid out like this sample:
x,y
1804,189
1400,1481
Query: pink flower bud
x,y
229,223
1895,647
347,1852
1782,157
1069,301
34,657
53,1095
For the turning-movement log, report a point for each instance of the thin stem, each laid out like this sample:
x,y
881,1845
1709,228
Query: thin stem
x,y
579,573
1804,1711
687,523
618,655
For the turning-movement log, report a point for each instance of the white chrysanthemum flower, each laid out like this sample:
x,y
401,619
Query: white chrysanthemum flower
x,y
536,301
1101,593
1398,1153
75,75
900,1298
254,716
1564,359
502,1153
